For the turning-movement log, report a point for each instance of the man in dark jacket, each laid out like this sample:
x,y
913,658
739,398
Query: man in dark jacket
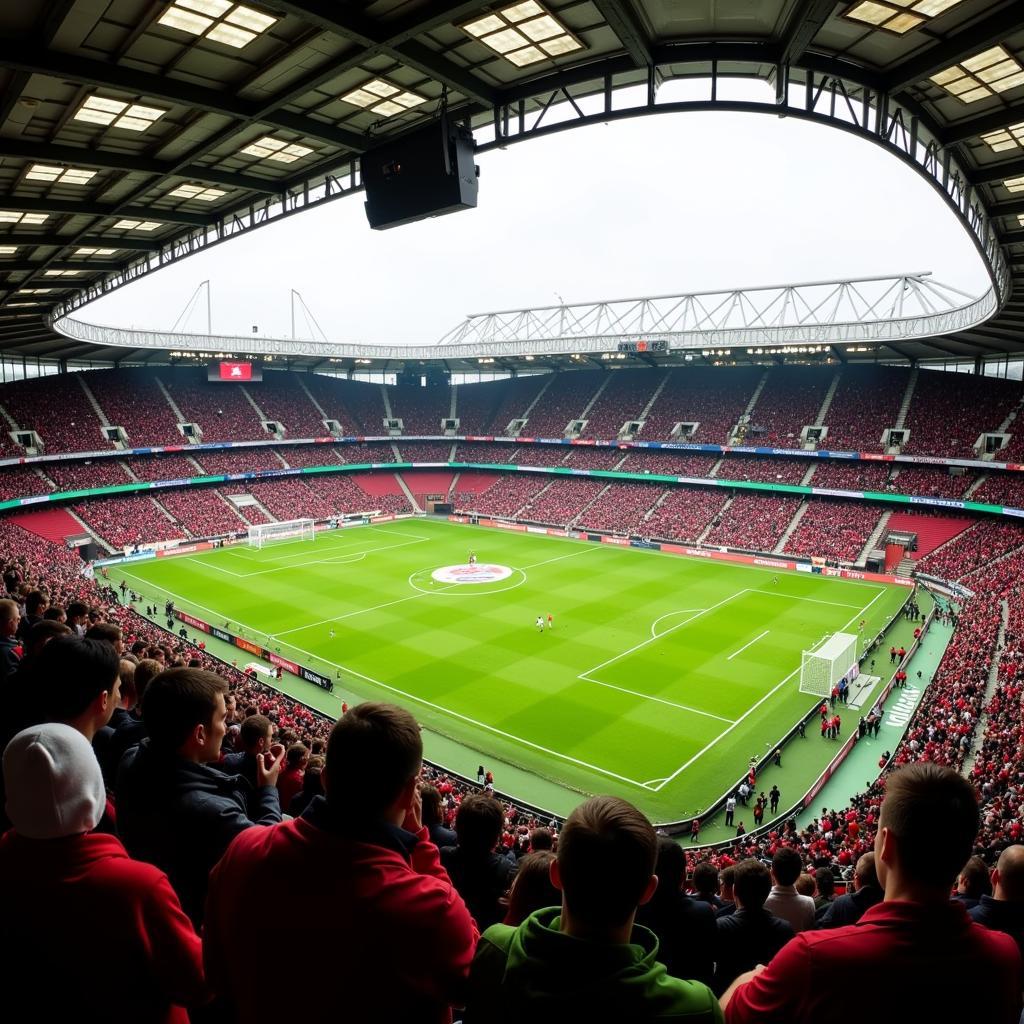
x,y
751,935
481,875
1004,910
175,810
254,738
685,925
850,907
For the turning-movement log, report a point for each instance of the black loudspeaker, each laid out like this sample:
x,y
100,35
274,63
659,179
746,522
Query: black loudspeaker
x,y
425,174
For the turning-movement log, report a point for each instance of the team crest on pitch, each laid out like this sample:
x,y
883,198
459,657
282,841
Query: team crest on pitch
x,y
480,573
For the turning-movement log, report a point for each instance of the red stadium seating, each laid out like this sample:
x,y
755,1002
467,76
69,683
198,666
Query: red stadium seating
x,y
755,522
834,529
789,402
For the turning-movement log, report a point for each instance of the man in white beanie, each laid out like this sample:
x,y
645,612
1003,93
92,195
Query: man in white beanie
x,y
76,907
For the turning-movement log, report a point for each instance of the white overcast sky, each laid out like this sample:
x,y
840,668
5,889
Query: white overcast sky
x,y
648,206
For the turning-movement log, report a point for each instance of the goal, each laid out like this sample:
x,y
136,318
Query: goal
x,y
291,529
832,659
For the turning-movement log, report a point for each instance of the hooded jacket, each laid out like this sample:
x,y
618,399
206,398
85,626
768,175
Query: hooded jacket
x,y
78,909
181,816
538,973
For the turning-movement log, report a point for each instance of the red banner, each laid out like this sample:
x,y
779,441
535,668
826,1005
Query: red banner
x,y
194,623
248,645
276,659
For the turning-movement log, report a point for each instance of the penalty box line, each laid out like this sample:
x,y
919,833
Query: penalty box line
x,y
752,708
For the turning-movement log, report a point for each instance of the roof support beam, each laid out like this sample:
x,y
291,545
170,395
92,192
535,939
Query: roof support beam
x,y
65,206
1006,209
628,28
346,22
998,172
87,72
46,152
60,241
92,267
805,19
978,37
960,131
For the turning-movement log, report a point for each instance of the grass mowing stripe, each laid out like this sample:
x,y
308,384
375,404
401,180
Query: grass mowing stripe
x,y
481,673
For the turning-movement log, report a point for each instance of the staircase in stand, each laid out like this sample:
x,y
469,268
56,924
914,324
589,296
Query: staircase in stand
x,y
790,529
717,516
96,408
829,395
583,511
875,540
907,396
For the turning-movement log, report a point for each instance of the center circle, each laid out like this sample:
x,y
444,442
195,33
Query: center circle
x,y
479,573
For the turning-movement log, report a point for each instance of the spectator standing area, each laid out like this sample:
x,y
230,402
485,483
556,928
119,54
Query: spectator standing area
x,y
658,679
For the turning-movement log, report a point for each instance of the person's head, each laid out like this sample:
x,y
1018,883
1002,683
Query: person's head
x,y
183,709
786,865
311,776
804,884
296,756
926,829
54,783
78,682
35,603
727,878
1008,875
865,873
10,617
374,756
532,888
55,614
78,613
973,881
256,734
542,839
605,865
705,879
139,649
433,813
145,672
670,867
126,673
825,882
41,633
478,823
108,632
751,885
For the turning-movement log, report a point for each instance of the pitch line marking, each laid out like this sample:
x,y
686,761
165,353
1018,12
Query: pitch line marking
x,y
572,554
753,707
668,615
798,597
342,559
644,643
650,696
411,696
745,646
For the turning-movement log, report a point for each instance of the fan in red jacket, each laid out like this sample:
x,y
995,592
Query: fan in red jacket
x,y
925,958
87,932
386,931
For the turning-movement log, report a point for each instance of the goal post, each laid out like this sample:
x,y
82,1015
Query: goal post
x,y
823,667
291,529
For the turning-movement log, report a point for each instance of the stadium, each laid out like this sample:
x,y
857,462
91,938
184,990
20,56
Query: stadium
x,y
702,571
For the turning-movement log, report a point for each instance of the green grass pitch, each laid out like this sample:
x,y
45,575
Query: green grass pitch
x,y
659,680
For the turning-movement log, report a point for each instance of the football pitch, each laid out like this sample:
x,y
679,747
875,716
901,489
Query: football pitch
x,y
658,680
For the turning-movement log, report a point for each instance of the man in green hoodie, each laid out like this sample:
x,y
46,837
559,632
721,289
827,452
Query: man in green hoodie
x,y
587,960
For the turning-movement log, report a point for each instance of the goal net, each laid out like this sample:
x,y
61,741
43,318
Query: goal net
x,y
829,662
291,529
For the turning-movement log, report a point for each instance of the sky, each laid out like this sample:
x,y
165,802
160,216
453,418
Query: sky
x,y
647,206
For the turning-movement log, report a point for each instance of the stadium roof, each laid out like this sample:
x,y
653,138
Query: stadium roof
x,y
133,134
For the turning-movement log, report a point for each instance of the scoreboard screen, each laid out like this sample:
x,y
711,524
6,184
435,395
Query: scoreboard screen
x,y
241,372
643,346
